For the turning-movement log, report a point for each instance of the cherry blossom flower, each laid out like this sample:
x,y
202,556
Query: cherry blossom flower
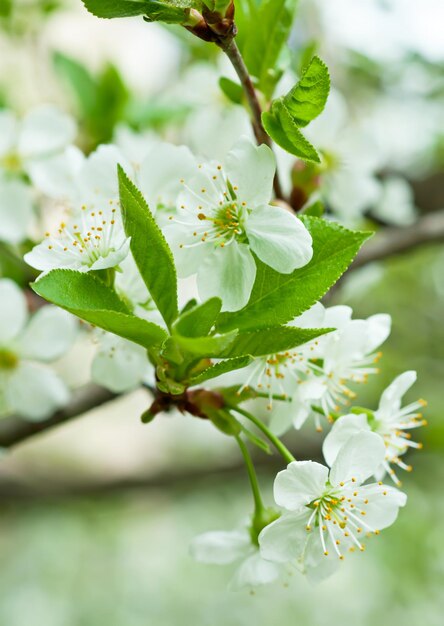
x,y
224,216
329,511
27,386
390,421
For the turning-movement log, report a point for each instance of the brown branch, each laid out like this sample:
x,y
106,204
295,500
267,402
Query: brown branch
x,y
14,429
233,53
396,240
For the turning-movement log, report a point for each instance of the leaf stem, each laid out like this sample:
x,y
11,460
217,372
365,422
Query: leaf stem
x,y
233,53
258,504
280,447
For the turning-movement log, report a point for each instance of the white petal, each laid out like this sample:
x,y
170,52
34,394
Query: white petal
x,y
312,318
383,505
299,484
45,130
316,565
16,212
221,547
358,458
337,316
229,273
35,392
284,539
254,572
251,169
98,175
119,365
343,428
161,172
379,327
188,260
279,238
391,397
45,259
8,132
49,334
13,310
56,176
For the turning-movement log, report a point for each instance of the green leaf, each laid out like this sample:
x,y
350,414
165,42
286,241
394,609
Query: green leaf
x,y
307,99
156,10
272,340
198,321
220,368
278,298
279,125
200,347
268,31
302,104
231,89
150,250
90,299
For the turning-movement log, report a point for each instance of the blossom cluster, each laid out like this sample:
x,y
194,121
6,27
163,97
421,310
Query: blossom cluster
x,y
222,226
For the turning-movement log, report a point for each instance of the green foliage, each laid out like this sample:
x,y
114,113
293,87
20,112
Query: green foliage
x,y
199,320
200,347
92,300
101,100
268,28
232,90
278,298
170,11
303,103
150,250
272,340
218,369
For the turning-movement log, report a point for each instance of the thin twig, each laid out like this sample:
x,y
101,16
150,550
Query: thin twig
x,y
233,53
14,429
395,240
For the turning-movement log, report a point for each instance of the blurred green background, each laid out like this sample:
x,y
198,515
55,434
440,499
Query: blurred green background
x,y
96,521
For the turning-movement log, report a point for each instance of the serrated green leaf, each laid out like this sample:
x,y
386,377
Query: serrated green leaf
x,y
218,369
92,300
272,340
279,125
150,250
198,321
267,34
302,104
231,89
278,298
307,99
171,11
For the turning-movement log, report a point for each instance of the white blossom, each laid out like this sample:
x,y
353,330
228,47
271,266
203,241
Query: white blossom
x,y
27,386
390,421
328,512
224,216
236,546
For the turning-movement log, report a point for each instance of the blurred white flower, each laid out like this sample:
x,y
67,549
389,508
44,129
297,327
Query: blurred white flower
x,y
390,421
24,144
236,546
329,511
28,387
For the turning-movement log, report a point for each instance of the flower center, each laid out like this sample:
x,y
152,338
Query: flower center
x,y
8,360
226,224
11,162
339,516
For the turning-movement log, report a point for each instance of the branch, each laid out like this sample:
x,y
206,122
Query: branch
x,y
14,429
233,53
396,240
